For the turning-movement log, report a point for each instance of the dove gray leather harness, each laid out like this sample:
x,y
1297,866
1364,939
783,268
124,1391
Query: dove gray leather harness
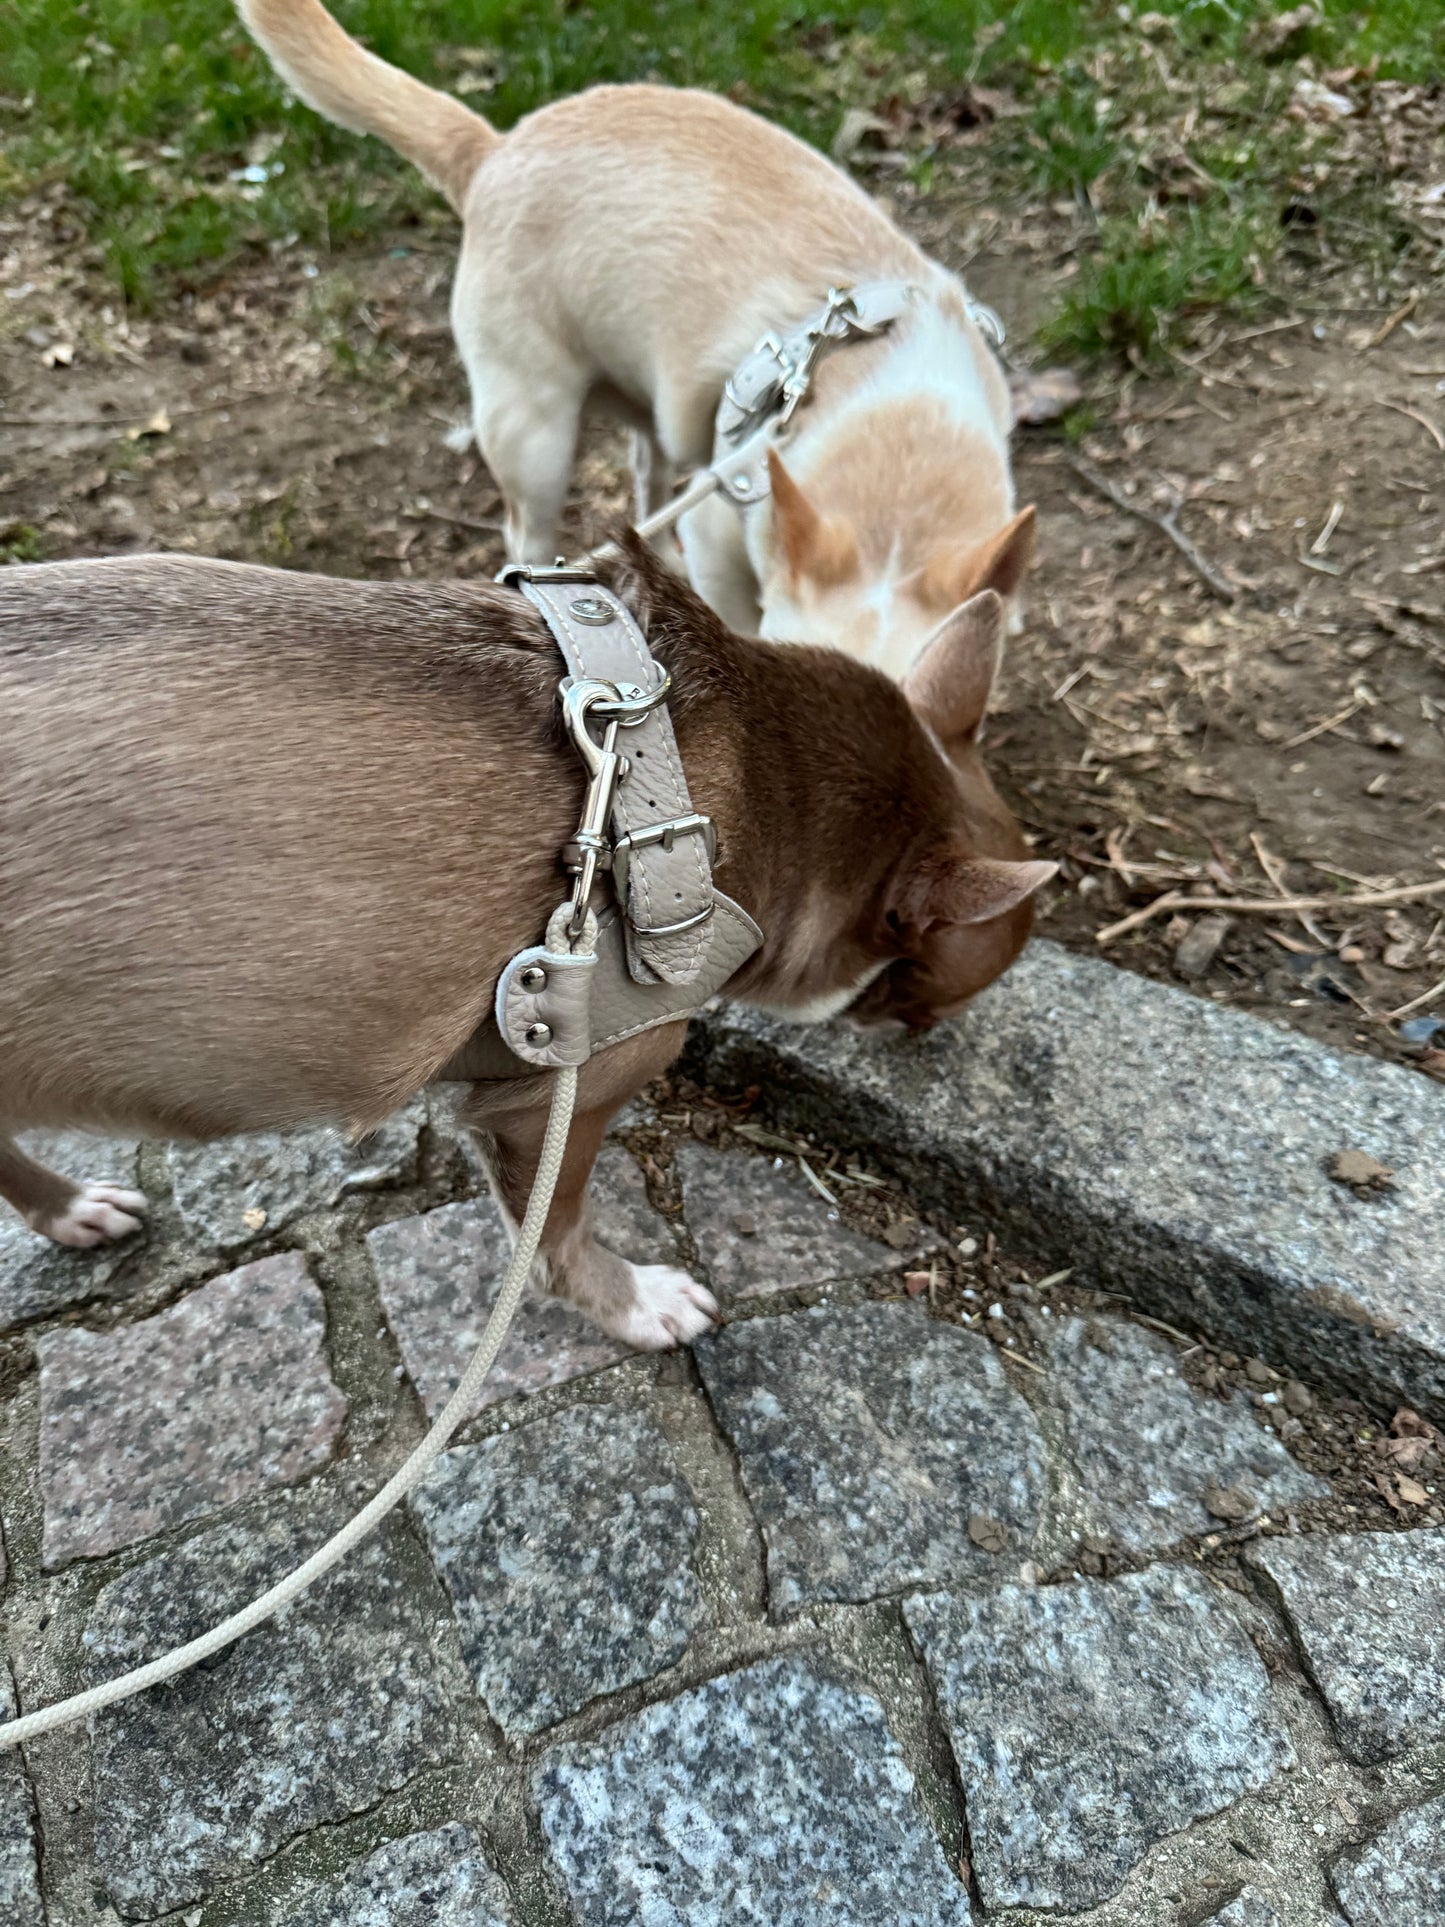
x,y
668,940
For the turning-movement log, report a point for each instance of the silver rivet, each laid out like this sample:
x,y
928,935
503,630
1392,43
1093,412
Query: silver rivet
x,y
533,978
591,610
539,1035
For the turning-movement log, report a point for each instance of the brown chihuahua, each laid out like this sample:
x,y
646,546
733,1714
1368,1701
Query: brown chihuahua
x,y
267,841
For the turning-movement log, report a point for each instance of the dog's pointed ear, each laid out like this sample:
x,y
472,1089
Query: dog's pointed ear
x,y
1000,564
948,888
814,545
950,684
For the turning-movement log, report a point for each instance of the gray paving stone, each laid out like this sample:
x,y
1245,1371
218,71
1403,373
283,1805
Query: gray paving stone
x,y
1146,1446
438,1276
222,1395
869,1436
566,1546
767,1798
1368,1612
1246,1910
437,1879
38,1278
759,1228
238,1188
1399,1879
1091,1720
1159,1144
20,1902
297,1725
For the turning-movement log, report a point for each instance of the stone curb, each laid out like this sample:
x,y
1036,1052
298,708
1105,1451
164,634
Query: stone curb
x,y
1158,1144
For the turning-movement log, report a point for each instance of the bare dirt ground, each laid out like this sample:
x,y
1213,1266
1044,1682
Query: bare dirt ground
x,y
1154,735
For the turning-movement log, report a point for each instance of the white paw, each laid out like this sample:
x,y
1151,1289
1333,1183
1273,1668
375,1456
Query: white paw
x,y
670,1309
97,1214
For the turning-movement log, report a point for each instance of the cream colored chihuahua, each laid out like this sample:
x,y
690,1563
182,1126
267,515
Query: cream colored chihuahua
x,y
631,245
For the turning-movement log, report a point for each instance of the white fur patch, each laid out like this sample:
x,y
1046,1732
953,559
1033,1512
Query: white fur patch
x,y
671,1308
832,1003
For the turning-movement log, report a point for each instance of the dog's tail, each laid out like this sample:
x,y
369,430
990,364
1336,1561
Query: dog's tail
x,y
331,73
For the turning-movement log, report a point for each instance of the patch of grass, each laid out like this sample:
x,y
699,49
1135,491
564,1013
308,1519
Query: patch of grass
x,y
177,154
20,542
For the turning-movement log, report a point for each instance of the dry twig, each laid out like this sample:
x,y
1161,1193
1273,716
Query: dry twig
x,y
1424,421
1415,1003
1216,583
1267,906
1392,322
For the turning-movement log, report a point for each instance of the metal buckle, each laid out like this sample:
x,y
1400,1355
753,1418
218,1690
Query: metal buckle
x,y
666,834
513,572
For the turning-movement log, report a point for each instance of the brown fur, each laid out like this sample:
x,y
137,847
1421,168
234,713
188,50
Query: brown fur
x,y
266,841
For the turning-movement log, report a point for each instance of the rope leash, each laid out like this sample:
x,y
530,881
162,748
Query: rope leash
x,y
413,1471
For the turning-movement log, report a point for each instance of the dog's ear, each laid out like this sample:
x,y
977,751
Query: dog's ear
x,y
1000,564
950,684
950,888
817,546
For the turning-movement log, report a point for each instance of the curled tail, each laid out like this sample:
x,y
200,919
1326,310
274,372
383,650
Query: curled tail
x,y
330,72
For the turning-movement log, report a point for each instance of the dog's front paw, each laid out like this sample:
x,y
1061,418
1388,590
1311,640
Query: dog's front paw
x,y
670,1308
97,1214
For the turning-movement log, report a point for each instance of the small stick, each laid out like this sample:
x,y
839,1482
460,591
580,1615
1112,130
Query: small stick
x,y
1275,876
1388,327
1424,421
1330,722
1168,525
1394,1016
1019,1359
1268,906
460,521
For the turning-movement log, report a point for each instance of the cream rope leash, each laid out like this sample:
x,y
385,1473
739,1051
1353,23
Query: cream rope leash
x,y
402,1482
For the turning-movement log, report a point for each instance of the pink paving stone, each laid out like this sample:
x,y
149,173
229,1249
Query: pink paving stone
x,y
439,1274
222,1395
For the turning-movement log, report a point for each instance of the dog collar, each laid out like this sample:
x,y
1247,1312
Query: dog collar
x,y
669,940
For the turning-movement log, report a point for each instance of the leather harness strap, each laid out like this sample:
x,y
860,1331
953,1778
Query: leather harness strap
x,y
670,940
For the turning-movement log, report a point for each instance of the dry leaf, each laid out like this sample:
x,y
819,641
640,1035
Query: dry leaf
x,y
1411,1491
253,1219
1359,1169
915,1283
986,1532
1229,1502
159,424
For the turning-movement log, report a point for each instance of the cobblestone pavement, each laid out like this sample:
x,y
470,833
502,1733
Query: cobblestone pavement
x,y
852,1615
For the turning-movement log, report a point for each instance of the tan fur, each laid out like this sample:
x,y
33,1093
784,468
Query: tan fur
x,y
266,841
630,245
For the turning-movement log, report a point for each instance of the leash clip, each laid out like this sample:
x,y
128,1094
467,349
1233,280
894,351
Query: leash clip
x,y
617,706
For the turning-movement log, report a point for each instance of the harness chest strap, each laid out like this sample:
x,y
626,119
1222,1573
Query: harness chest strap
x,y
670,940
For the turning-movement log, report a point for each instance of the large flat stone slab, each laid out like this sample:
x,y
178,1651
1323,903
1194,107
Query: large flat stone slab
x,y
216,1398
1090,1721
240,1188
436,1879
870,1439
1146,1446
767,1798
1157,1143
1399,1879
20,1902
760,1226
299,1724
438,1276
38,1278
566,1546
1367,1611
